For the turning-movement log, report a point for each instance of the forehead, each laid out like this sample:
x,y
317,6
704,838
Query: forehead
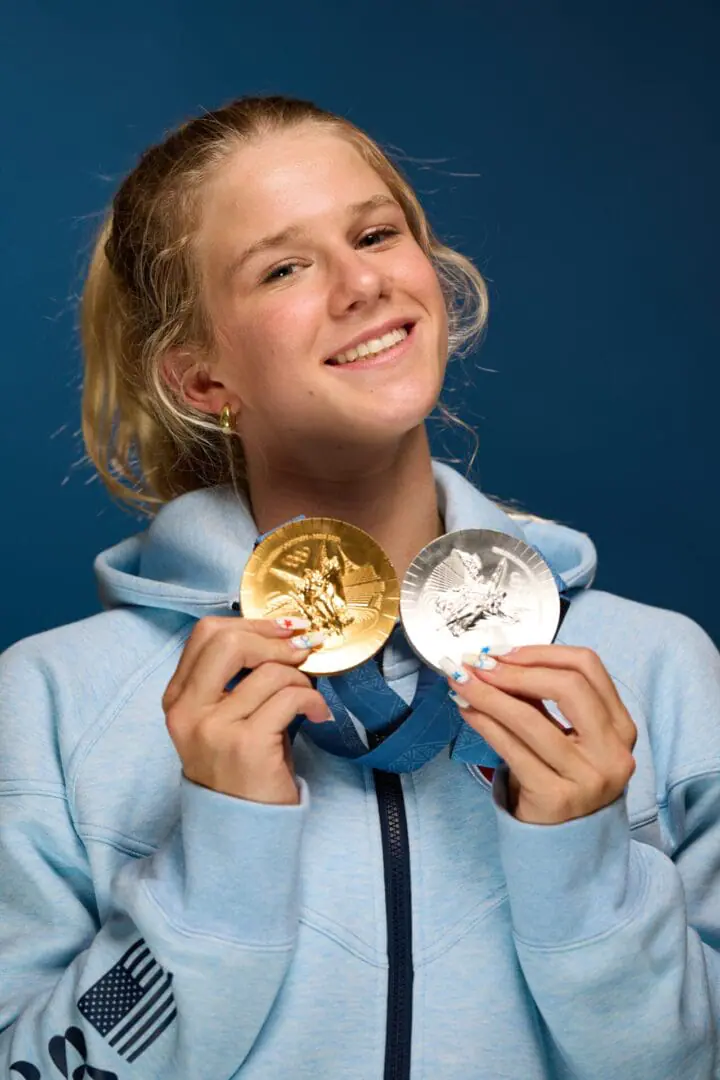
x,y
284,179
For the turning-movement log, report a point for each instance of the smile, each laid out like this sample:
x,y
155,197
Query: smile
x,y
375,350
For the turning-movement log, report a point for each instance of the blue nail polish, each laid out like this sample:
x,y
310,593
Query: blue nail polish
x,y
449,667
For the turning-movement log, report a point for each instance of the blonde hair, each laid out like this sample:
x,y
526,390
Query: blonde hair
x,y
142,297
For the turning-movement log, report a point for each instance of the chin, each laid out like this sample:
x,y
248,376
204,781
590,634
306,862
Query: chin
x,y
411,406
392,410
390,425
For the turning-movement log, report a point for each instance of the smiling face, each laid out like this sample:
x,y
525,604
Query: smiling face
x,y
343,267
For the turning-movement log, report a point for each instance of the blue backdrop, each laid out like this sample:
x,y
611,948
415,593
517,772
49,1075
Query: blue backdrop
x,y
570,149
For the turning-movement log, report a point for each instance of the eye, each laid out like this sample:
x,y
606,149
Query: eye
x,y
276,274
384,233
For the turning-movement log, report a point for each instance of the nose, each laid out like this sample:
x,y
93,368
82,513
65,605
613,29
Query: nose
x,y
356,280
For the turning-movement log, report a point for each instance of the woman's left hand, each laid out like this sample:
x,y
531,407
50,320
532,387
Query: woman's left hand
x,y
555,775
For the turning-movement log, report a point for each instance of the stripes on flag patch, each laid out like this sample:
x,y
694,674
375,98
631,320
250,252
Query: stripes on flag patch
x,y
132,1004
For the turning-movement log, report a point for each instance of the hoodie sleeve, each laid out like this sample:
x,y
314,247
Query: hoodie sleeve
x,y
177,983
618,941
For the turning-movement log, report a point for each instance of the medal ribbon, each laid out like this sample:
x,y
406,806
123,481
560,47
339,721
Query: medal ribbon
x,y
402,737
408,736
411,735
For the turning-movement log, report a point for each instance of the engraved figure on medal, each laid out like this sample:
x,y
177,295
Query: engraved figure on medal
x,y
329,590
334,575
477,589
474,598
464,596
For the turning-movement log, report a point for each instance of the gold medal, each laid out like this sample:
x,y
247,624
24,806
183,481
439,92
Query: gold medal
x,y
333,574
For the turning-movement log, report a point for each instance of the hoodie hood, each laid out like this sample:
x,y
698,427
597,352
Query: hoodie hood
x,y
192,556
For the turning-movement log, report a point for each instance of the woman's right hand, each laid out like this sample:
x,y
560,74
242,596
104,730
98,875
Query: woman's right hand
x,y
236,741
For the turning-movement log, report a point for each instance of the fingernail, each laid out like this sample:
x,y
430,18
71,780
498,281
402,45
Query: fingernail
x,y
292,622
459,701
480,661
323,719
451,669
309,641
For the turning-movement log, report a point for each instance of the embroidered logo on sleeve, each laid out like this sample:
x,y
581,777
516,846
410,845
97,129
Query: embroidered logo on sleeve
x,y
132,1004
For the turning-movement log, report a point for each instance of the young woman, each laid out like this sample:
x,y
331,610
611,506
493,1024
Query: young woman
x,y
186,892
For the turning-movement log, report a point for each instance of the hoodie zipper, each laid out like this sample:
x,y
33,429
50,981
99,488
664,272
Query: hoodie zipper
x,y
396,863
398,907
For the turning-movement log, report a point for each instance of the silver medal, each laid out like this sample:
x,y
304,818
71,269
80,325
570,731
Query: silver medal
x,y
476,588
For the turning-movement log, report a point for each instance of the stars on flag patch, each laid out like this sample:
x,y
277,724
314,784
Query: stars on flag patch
x,y
132,1004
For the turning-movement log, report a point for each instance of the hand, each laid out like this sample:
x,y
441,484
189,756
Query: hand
x,y
236,741
555,775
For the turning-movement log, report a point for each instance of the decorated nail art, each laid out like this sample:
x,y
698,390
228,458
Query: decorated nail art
x,y
309,641
481,661
293,622
459,701
453,671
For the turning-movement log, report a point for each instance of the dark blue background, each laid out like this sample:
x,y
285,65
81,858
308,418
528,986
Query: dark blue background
x,y
571,149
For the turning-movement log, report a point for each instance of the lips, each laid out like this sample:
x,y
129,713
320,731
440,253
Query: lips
x,y
370,334
385,357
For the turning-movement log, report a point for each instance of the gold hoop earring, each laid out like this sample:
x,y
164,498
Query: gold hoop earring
x,y
227,420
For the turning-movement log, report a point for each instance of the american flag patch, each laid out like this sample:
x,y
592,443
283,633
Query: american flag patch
x,y
132,1004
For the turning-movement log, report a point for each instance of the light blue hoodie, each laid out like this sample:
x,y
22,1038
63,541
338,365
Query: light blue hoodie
x,y
153,929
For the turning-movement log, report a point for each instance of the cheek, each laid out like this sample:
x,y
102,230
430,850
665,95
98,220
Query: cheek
x,y
265,345
420,279
440,309
437,294
287,325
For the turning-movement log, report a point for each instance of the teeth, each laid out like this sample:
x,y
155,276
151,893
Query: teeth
x,y
368,348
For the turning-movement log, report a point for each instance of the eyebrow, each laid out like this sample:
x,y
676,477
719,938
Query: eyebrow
x,y
293,232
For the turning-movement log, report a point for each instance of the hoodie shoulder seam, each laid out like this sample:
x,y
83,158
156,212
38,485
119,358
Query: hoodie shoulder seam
x,y
700,770
39,788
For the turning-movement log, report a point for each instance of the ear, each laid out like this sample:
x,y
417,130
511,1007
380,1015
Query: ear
x,y
188,376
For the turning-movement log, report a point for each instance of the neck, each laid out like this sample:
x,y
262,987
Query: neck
x,y
391,495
